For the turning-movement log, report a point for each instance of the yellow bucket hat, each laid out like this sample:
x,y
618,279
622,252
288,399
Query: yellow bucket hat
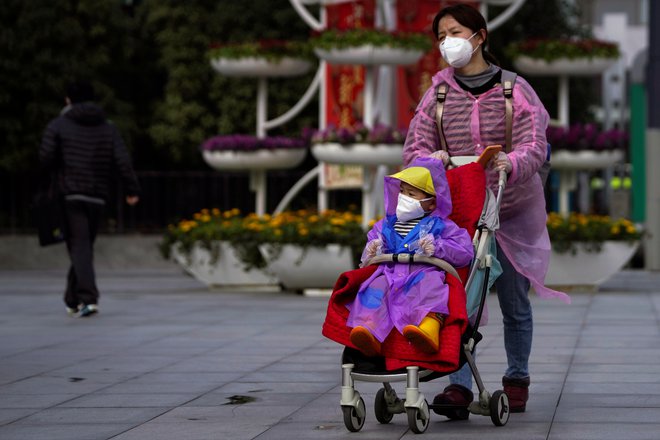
x,y
419,177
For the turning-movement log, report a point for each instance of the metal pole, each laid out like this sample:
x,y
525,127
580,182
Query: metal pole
x,y
652,242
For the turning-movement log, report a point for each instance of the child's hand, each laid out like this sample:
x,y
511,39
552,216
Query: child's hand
x,y
427,245
372,248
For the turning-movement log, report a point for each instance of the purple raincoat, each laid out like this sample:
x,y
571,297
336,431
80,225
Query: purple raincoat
x,y
470,124
400,294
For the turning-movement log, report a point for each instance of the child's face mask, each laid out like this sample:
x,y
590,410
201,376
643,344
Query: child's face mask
x,y
408,208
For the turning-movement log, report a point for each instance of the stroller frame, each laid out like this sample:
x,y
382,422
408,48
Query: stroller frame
x,y
415,405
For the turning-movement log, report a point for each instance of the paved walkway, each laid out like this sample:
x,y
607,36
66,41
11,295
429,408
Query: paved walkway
x,y
167,359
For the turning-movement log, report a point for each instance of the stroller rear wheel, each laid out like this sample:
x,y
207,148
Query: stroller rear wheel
x,y
354,416
381,408
499,408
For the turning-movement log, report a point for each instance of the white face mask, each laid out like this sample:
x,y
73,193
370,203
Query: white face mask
x,y
408,208
456,51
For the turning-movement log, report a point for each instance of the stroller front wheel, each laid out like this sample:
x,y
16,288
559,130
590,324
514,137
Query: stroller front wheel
x,y
354,416
419,418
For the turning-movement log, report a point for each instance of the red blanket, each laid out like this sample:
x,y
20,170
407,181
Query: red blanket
x,y
467,187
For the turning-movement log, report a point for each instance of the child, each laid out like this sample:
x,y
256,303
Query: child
x,y
410,297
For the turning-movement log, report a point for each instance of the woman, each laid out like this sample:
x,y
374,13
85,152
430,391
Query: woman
x,y
473,117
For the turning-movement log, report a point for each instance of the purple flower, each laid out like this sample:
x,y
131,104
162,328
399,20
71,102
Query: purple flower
x,y
379,134
586,137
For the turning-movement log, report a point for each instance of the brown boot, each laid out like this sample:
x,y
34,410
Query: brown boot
x,y
517,389
453,402
362,338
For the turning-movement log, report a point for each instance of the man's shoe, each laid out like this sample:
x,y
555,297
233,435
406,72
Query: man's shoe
x,y
455,400
517,389
88,310
73,312
362,338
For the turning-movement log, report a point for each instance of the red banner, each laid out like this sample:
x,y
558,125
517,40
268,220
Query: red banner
x,y
345,84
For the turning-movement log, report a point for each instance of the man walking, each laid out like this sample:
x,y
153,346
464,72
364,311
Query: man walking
x,y
83,149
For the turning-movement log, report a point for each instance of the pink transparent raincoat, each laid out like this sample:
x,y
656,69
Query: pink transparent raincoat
x,y
399,294
470,124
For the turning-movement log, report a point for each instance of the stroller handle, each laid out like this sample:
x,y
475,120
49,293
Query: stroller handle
x,y
414,258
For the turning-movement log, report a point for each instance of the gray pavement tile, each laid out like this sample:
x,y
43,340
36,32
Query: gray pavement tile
x,y
607,378
612,388
261,398
133,387
314,430
86,416
149,400
50,385
583,400
623,368
599,431
96,431
244,429
35,401
280,387
480,428
621,415
9,415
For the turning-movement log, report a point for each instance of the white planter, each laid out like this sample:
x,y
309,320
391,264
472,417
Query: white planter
x,y
589,268
370,55
585,160
359,154
227,271
261,67
254,160
563,66
310,268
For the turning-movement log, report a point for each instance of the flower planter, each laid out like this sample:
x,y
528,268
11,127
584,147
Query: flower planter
x,y
254,160
227,271
585,160
589,268
563,66
369,55
359,154
261,67
308,268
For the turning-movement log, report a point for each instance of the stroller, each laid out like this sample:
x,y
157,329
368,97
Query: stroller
x,y
476,209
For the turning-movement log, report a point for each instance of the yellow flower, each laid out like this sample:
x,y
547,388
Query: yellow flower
x,y
205,218
215,212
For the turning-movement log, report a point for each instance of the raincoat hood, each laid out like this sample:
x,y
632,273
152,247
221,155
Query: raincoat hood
x,y
433,181
86,113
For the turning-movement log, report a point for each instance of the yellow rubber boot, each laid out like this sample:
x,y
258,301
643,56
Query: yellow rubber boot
x,y
367,343
426,336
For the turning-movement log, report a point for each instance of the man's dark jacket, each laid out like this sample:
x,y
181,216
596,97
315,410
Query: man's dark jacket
x,y
86,149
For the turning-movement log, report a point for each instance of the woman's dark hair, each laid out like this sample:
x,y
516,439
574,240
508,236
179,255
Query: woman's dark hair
x,y
469,17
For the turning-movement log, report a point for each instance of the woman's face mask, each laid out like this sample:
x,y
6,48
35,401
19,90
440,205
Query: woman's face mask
x,y
408,208
457,51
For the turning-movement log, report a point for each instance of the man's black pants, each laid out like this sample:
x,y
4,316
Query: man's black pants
x,y
82,221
